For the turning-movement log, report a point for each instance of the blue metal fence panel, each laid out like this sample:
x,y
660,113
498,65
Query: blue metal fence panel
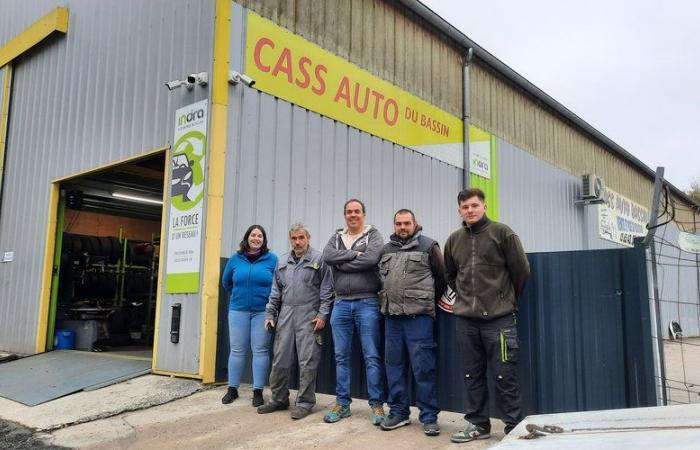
x,y
585,337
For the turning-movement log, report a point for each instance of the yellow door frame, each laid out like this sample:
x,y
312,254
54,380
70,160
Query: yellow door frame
x,y
215,191
50,246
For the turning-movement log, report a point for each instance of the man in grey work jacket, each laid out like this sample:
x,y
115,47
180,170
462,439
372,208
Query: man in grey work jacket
x,y
487,268
298,307
353,254
412,272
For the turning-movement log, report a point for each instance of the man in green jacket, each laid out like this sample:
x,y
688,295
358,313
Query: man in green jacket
x,y
487,268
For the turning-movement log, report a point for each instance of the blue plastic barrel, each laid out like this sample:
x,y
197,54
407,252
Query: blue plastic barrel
x,y
65,340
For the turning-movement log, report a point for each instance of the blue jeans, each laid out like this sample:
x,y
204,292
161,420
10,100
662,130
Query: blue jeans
x,y
361,315
415,334
247,329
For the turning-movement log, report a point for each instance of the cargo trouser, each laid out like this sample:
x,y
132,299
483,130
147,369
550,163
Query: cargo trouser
x,y
294,328
493,342
412,337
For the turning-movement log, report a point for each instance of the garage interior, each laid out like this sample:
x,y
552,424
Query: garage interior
x,y
107,259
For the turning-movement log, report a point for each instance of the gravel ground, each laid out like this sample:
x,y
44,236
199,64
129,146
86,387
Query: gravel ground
x,y
16,437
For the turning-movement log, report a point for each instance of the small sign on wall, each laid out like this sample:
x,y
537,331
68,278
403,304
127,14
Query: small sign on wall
x,y
480,158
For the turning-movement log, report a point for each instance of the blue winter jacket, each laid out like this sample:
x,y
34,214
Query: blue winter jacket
x,y
249,282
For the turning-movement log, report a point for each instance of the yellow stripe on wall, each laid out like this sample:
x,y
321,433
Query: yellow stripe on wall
x,y
215,191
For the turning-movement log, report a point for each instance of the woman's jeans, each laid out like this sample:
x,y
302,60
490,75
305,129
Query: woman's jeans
x,y
247,329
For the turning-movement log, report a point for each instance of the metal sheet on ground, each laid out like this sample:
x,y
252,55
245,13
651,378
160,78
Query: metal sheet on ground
x,y
47,376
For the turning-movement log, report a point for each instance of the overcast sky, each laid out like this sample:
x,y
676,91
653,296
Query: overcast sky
x,y
628,68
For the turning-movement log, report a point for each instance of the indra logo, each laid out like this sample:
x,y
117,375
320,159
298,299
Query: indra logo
x,y
187,180
190,116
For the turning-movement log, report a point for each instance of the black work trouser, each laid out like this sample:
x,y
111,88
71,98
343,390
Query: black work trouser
x,y
493,342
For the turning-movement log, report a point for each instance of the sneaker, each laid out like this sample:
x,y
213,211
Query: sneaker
x,y
471,433
394,422
271,407
377,415
257,397
231,395
299,413
431,429
337,412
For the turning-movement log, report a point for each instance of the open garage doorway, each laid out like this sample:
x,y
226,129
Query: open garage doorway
x,y
105,280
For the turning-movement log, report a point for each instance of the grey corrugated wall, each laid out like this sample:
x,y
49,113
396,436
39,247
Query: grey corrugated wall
x,y
537,200
88,98
288,164
677,273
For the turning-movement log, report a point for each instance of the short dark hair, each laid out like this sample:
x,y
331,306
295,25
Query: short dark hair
x,y
405,211
469,193
345,206
244,247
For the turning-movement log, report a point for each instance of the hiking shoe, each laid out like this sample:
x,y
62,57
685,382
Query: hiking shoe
x,y
299,413
471,433
230,396
394,422
377,415
257,397
336,413
271,407
431,429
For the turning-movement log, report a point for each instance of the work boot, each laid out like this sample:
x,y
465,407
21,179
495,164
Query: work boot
x,y
471,433
377,414
230,396
431,429
258,397
271,407
336,413
299,413
393,422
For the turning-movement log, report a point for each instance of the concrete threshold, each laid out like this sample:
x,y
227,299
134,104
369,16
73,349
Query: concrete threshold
x,y
87,406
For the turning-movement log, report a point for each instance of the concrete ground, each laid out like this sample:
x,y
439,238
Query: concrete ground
x,y
201,421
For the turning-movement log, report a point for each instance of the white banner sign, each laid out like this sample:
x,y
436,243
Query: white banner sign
x,y
620,220
187,169
689,242
480,158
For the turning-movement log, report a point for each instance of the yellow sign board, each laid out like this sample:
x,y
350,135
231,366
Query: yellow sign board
x,y
292,68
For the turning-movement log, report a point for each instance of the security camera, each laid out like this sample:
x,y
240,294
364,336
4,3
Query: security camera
x,y
201,78
171,85
235,78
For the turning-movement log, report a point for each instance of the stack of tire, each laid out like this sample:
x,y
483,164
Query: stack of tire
x,y
93,281
139,255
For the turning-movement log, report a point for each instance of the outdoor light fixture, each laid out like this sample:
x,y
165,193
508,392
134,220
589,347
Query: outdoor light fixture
x,y
136,198
236,77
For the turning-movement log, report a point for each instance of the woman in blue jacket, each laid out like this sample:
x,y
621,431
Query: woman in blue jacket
x,y
248,275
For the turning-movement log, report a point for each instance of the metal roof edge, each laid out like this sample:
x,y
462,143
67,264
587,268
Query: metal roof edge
x,y
499,66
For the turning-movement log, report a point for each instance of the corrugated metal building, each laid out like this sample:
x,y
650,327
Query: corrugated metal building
x,y
86,93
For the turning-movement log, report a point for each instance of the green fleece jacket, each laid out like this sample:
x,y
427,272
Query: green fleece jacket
x,y
486,266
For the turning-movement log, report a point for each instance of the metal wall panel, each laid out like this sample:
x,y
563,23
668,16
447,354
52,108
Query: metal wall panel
x,y
380,37
88,98
514,116
678,274
537,200
287,164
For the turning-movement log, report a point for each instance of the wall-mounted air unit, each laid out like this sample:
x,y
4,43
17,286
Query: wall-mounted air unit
x,y
591,187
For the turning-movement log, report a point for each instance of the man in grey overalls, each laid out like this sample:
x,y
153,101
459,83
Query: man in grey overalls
x,y
298,307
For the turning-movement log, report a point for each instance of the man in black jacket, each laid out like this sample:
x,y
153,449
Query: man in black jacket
x,y
487,268
412,272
